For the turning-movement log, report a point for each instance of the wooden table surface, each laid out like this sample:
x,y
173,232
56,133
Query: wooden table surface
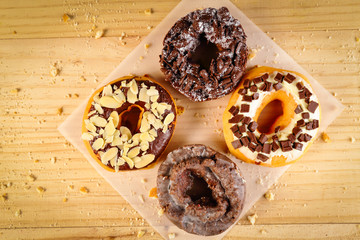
x,y
317,198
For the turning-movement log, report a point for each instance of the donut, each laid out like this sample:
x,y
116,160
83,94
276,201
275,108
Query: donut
x,y
128,123
200,190
205,54
272,117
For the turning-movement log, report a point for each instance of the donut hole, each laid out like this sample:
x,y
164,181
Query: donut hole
x,y
199,191
204,53
271,112
131,118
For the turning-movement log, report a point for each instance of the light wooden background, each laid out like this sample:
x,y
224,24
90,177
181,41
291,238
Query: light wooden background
x,y
318,198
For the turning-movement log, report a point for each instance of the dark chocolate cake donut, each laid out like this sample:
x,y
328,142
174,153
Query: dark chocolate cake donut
x,y
205,54
201,190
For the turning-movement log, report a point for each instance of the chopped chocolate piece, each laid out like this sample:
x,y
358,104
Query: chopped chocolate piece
x,y
245,141
315,124
298,109
307,92
242,91
285,146
300,123
296,131
244,108
234,110
289,78
252,147
234,128
299,86
242,129
252,137
291,138
312,106
253,88
238,134
269,86
262,157
275,138
263,86
246,83
307,100
258,148
236,144
266,148
236,119
277,86
253,126
247,98
307,137
246,120
279,77
305,115
301,137
302,94
298,146
265,76
277,129
274,146
255,96
257,80
263,138
309,126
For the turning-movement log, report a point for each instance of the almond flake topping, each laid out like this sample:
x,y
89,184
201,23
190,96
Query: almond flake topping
x,y
109,102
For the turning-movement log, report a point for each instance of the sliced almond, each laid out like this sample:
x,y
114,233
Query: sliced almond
x,y
116,133
145,126
107,91
152,91
129,161
134,87
153,132
147,105
113,161
144,145
96,98
87,136
116,141
98,108
165,128
158,124
143,95
154,98
123,83
120,97
115,118
151,118
109,129
145,136
90,126
161,107
101,131
91,113
145,160
109,154
134,152
131,97
109,139
98,144
98,121
109,102
136,137
169,118
120,161
125,131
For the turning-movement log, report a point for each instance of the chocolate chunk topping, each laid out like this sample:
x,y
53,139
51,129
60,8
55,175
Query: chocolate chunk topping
x,y
312,106
247,120
266,148
236,144
315,123
258,148
274,146
263,87
253,88
257,80
305,115
234,128
277,86
238,134
242,91
246,83
279,77
262,157
245,141
263,138
309,126
275,138
242,129
289,78
255,96
304,137
252,137
298,146
285,146
265,76
307,137
300,123
307,92
296,131
244,108
291,138
277,129
302,94
298,109
236,119
253,126
299,86
252,146
247,98
234,110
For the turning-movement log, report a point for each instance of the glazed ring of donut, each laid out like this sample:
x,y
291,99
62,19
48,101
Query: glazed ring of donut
x,y
290,131
200,190
128,123
205,54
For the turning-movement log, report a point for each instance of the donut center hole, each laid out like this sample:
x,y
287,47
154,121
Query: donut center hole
x,y
131,118
199,191
204,53
272,111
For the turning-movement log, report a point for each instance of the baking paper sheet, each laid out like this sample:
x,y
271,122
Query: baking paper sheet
x,y
200,123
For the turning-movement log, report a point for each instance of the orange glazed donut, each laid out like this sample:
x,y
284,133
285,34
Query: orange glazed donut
x,y
274,136
128,123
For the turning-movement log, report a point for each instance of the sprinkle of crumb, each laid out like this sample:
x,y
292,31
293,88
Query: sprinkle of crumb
x,y
141,57
263,231
149,27
15,91
147,45
53,160
66,17
141,198
31,178
143,180
252,218
148,11
180,110
325,137
269,196
18,213
84,190
76,95
60,111
172,235
357,39
65,199
140,233
160,212
352,139
54,71
40,189
99,34
4,197
153,193
82,78
71,187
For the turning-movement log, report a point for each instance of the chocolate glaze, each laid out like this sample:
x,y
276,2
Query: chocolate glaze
x,y
157,146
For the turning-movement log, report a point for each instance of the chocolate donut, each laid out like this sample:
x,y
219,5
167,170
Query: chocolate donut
x,y
205,54
201,190
128,123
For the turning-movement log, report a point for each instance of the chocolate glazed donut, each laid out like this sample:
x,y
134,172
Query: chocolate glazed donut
x,y
205,54
201,190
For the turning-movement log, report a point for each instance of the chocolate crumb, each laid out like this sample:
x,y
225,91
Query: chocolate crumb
x,y
242,129
289,78
266,148
236,144
244,108
253,88
263,87
285,146
253,126
315,124
263,138
305,115
247,120
234,128
296,131
247,98
298,146
279,77
252,137
236,119
255,96
277,129
234,110
258,148
246,83
242,91
265,76
275,138
252,146
291,138
262,157
312,106
257,80
238,134
299,86
274,146
245,141
300,123
302,94
277,86
298,109
309,126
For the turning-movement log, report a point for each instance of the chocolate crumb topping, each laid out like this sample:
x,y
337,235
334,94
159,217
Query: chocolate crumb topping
x,y
274,146
263,138
257,80
242,128
291,138
252,146
252,137
277,86
298,146
262,157
245,141
255,96
253,88
298,109
258,148
277,129
266,148
244,108
305,115
279,77
247,98
296,131
246,120
300,86
289,78
246,83
312,106
234,110
236,119
234,128
265,76
300,123
242,91
285,146
236,144
253,126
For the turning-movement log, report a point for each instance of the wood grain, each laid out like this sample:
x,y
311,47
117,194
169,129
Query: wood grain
x,y
318,198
